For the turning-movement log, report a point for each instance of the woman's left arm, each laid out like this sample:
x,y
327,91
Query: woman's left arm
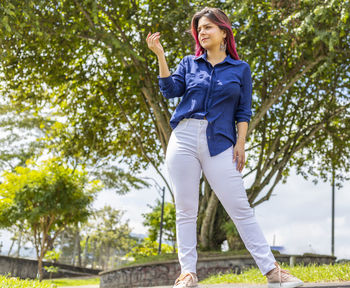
x,y
242,117
239,150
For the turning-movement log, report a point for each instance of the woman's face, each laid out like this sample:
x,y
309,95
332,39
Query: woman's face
x,y
209,34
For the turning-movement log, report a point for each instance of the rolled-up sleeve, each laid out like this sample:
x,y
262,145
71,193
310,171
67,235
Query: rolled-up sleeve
x,y
243,112
174,85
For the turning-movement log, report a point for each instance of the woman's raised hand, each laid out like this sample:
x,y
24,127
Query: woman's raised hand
x,y
154,44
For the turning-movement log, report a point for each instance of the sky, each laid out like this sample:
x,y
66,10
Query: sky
x,y
297,216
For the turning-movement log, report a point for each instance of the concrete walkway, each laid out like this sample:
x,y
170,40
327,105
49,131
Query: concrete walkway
x,y
314,285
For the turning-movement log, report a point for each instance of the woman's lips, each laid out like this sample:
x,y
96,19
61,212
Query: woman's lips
x,y
204,39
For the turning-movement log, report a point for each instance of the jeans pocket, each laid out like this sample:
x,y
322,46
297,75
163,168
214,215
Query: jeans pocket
x,y
181,125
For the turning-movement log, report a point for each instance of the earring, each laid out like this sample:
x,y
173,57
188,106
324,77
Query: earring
x,y
223,46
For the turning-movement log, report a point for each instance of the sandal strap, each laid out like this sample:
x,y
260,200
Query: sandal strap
x,y
183,276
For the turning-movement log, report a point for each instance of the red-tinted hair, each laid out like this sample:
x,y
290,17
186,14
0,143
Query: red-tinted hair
x,y
219,18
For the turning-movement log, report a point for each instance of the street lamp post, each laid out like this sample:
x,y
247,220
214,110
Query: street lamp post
x,y
161,224
333,205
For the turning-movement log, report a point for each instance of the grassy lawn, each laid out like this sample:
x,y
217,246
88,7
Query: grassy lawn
x,y
74,281
12,282
311,273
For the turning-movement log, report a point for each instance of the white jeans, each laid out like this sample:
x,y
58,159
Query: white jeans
x,y
187,154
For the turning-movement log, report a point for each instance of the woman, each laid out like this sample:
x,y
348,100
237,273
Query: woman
x,y
216,91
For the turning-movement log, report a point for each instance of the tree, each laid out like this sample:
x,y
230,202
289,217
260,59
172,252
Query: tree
x,y
45,198
152,220
107,236
147,247
93,59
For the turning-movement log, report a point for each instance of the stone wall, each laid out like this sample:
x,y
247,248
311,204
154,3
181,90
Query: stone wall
x,y
165,273
26,268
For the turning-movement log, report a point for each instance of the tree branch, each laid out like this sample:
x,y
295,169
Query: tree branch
x,y
287,82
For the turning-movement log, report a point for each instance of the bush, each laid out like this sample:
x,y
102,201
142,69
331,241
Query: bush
x,y
148,248
13,282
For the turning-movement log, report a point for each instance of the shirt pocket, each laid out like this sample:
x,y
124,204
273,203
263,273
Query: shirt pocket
x,y
230,87
196,81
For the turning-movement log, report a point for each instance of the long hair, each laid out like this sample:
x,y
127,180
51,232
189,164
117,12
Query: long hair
x,y
219,18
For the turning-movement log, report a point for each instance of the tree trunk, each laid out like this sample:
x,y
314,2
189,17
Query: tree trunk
x,y
86,251
93,254
206,228
13,242
19,243
101,257
107,256
79,248
235,242
40,268
76,252
211,233
220,234
203,201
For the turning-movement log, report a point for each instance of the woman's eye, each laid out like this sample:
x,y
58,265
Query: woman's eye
x,y
204,28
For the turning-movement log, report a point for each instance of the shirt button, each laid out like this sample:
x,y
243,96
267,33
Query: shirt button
x,y
208,137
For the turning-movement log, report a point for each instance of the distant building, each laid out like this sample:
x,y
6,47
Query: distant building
x,y
280,249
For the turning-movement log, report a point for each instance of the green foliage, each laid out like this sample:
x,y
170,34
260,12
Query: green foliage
x,y
52,256
45,199
12,282
152,220
108,237
310,273
147,247
109,229
51,192
86,54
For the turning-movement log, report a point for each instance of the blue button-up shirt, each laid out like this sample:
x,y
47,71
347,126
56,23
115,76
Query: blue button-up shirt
x,y
222,93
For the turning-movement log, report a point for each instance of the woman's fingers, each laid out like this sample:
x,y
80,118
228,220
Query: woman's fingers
x,y
155,37
152,38
239,160
152,35
241,164
153,42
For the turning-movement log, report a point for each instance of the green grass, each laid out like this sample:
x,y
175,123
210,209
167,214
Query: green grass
x,y
12,282
74,281
311,273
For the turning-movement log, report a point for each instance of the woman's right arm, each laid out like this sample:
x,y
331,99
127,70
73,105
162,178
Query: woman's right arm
x,y
163,66
171,85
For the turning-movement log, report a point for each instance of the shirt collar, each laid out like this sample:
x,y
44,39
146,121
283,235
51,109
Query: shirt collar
x,y
228,59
